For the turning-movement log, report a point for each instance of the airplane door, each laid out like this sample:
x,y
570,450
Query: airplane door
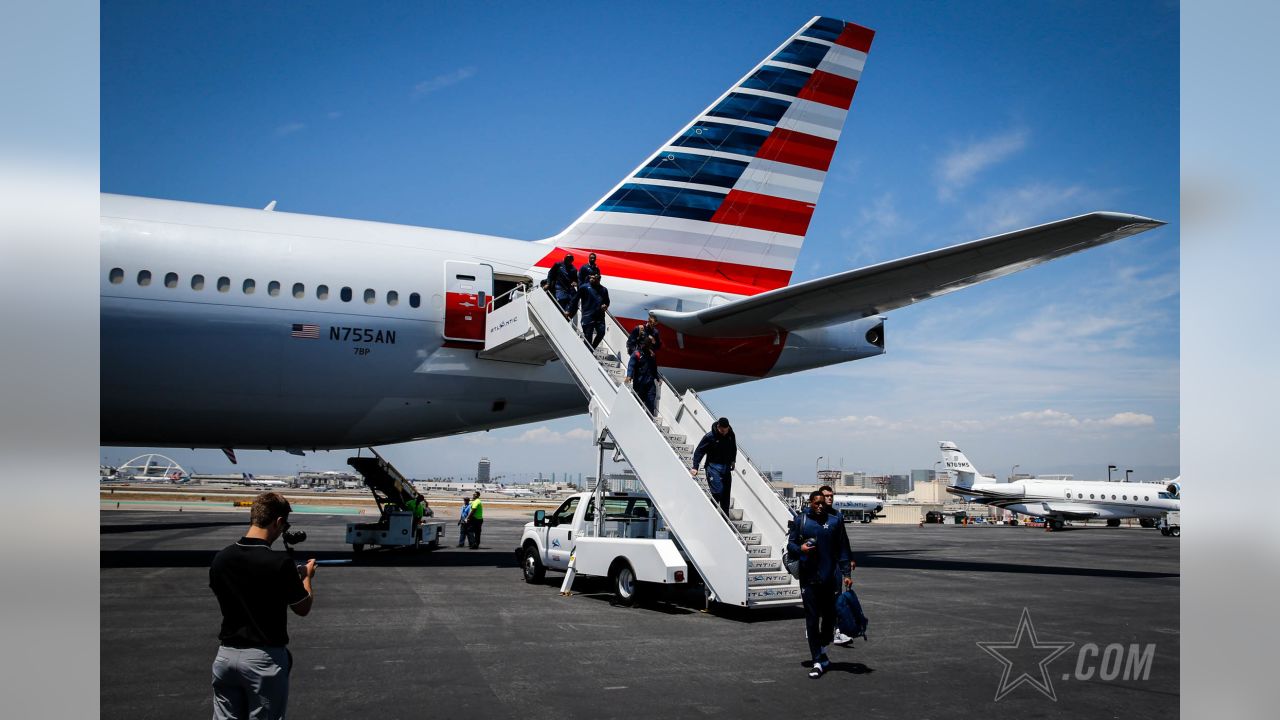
x,y
467,289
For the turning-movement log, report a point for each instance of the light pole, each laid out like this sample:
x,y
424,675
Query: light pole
x,y
1109,469
1013,471
815,468
1127,473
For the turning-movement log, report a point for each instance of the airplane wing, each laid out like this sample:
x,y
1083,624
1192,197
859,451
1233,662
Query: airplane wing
x,y
878,288
1069,512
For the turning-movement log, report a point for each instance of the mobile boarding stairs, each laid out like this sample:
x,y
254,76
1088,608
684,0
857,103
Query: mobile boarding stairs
x,y
739,555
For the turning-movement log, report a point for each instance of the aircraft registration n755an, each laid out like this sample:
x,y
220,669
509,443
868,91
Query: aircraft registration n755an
x,y
249,328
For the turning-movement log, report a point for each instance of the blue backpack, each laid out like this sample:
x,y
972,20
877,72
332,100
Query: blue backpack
x,y
849,616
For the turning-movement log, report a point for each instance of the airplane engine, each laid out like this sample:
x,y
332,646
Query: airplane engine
x,y
816,347
1175,489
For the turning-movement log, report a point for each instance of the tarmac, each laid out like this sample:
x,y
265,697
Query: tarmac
x,y
457,633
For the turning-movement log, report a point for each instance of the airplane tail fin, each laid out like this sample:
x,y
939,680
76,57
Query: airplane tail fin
x,y
956,462
724,205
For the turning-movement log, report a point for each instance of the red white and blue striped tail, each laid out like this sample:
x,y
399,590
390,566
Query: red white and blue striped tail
x,y
725,204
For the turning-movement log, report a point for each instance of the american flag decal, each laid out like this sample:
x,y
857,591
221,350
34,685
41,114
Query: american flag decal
x,y
306,331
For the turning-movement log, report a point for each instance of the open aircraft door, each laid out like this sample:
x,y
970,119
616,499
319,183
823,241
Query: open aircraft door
x,y
468,288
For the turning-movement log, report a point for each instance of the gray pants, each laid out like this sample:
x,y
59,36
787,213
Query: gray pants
x,y
250,683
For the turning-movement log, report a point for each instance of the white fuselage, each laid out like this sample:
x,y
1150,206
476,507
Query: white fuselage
x,y
239,328
1068,499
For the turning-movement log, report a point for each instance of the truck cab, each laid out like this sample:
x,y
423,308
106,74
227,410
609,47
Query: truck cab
x,y
630,545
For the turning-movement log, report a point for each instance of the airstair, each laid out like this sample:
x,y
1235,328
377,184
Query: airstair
x,y
738,555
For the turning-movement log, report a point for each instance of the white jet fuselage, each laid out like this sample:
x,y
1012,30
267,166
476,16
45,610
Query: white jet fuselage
x,y
230,327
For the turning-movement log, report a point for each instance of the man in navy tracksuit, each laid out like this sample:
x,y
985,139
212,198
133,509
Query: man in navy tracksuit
x,y
818,538
586,271
642,373
720,446
647,329
593,298
562,280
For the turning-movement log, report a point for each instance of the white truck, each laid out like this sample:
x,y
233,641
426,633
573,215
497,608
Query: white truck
x,y
629,545
1171,524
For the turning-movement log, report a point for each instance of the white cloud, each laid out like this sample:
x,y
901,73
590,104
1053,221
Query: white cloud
x,y
544,435
788,420
1128,419
876,223
290,128
956,170
1020,207
440,82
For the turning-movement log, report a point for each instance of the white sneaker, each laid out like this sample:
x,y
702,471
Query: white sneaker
x,y
842,639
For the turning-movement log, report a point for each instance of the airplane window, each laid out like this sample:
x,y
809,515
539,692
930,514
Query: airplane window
x,y
116,276
1146,498
171,280
197,282
144,277
299,290
1080,495
414,300
1124,497
224,283
248,287
345,294
393,298
370,296
322,292
1113,497
1090,496
273,288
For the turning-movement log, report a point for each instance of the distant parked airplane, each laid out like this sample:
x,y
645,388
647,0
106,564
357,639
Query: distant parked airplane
x,y
1061,500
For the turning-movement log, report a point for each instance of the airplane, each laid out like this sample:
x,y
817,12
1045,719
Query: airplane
x,y
250,480
1062,500
289,332
515,492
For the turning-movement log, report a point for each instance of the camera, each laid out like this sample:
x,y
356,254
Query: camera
x,y
293,537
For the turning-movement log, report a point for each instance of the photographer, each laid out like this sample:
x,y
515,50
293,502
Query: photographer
x,y
254,585
818,538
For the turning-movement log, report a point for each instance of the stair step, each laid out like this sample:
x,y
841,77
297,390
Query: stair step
x,y
763,565
774,592
752,538
742,526
779,602
759,551
735,514
772,578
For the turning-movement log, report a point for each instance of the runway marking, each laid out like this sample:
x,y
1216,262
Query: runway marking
x,y
761,682
617,687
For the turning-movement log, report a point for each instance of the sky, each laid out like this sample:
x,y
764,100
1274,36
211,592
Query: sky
x,y
507,119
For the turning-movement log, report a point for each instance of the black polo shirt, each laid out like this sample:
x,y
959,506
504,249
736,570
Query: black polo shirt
x,y
255,586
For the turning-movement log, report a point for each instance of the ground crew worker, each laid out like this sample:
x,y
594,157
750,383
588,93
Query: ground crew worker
x,y
475,521
462,521
586,271
642,375
593,298
649,329
254,585
720,446
818,537
562,279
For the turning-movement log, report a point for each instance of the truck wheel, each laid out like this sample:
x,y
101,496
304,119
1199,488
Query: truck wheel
x,y
534,570
1164,532
626,589
1175,531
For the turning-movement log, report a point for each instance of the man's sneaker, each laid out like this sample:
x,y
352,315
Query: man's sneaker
x,y
842,639
816,671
